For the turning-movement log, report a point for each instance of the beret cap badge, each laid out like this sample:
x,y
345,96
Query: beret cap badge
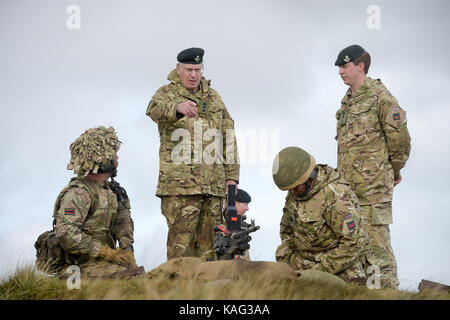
x,y
347,59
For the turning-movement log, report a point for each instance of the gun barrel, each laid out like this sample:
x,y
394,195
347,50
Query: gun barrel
x,y
236,235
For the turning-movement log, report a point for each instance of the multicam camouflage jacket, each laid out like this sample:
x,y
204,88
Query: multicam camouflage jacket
x,y
323,227
373,141
88,215
197,155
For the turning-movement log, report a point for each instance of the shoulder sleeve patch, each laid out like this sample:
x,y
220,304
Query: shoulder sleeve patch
x,y
69,211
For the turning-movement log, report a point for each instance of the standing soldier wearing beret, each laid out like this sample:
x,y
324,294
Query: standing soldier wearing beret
x,y
321,226
192,189
92,213
373,145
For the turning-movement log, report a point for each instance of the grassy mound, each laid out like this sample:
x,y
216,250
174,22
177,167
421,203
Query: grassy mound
x,y
26,283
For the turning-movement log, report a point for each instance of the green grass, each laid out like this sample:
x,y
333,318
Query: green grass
x,y
26,283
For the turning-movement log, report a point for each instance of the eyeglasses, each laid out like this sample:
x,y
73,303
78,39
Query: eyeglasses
x,y
198,71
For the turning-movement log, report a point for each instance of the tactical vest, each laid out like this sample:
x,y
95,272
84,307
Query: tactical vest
x,y
102,212
50,256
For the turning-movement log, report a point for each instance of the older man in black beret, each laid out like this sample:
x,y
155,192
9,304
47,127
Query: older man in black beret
x,y
198,156
373,145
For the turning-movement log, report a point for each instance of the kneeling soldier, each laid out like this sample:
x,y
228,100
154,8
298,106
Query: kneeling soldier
x,y
92,213
320,228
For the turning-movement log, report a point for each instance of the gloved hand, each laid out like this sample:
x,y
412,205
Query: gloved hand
x,y
127,257
108,254
122,257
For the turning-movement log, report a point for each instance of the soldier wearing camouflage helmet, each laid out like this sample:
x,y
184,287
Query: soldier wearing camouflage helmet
x,y
91,213
321,228
198,156
373,146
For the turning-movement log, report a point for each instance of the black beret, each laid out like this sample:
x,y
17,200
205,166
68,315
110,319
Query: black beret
x,y
243,196
191,56
349,54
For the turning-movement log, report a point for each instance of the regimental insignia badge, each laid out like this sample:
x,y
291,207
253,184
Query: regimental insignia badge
x,y
346,58
396,116
197,58
351,225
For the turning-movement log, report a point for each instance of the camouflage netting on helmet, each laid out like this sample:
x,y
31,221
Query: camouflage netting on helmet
x,y
94,148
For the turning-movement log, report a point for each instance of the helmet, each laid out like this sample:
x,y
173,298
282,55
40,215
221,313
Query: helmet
x,y
93,151
292,167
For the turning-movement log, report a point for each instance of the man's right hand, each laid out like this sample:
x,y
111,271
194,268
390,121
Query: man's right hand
x,y
188,108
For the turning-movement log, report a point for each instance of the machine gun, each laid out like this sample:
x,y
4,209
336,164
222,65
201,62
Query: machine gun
x,y
233,239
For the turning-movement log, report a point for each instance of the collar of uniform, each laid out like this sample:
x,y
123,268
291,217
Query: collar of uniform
x,y
96,182
325,175
100,183
173,77
347,97
350,98
363,88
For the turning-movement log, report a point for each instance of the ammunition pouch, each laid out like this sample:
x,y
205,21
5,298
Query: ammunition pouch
x,y
50,257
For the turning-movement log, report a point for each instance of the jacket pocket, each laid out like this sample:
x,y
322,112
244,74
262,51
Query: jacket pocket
x,y
363,118
311,223
175,175
382,213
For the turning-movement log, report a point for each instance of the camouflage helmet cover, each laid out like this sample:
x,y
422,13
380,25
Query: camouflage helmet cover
x,y
292,167
93,149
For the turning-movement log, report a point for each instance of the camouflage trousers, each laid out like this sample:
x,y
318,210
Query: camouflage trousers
x,y
380,259
355,272
191,220
94,268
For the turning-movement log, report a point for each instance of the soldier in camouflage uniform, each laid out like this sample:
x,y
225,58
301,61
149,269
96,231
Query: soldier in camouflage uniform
x,y
92,213
373,145
321,228
193,172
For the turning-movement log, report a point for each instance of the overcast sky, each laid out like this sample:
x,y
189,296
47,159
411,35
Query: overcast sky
x,y
273,64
